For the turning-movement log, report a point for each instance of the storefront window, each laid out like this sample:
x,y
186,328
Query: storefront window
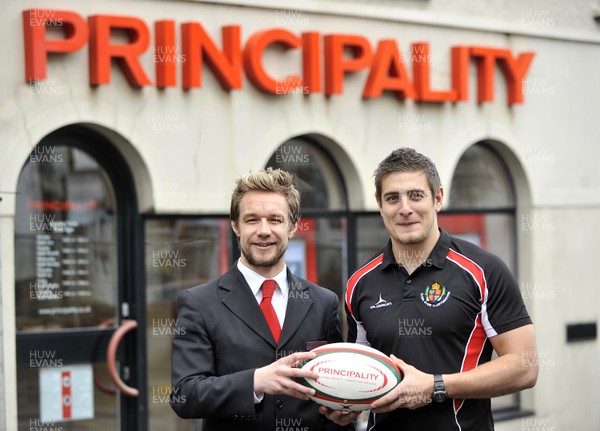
x,y
316,251
371,237
65,242
66,287
317,177
180,253
481,181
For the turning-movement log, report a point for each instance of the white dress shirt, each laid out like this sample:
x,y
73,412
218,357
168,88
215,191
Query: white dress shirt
x,y
280,296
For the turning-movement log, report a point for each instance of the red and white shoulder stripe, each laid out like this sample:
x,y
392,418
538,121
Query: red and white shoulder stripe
x,y
360,273
478,275
472,268
482,328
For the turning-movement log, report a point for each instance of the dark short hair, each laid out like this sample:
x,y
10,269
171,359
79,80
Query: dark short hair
x,y
407,160
266,180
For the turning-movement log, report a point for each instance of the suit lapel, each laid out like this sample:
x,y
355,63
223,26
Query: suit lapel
x,y
299,302
237,296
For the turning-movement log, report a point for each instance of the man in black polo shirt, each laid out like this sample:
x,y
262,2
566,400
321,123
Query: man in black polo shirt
x,y
441,305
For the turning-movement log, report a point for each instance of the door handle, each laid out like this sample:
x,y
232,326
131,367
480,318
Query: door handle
x,y
99,383
111,354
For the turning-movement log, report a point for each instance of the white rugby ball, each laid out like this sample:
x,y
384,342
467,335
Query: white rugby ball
x,y
351,376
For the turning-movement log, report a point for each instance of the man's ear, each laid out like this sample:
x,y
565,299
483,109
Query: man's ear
x,y
438,199
235,228
378,203
293,229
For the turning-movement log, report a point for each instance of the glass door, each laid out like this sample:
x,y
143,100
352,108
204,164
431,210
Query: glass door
x,y
78,366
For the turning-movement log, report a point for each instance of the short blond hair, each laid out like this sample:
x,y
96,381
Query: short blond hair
x,y
266,180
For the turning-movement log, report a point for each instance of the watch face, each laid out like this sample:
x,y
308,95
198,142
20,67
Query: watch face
x,y
438,397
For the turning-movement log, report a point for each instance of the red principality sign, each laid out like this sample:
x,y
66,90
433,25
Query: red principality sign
x,y
325,58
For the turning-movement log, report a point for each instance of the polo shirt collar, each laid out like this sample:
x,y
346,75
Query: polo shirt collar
x,y
437,257
388,256
440,250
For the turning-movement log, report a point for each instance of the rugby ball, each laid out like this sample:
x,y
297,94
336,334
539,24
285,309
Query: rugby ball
x,y
351,376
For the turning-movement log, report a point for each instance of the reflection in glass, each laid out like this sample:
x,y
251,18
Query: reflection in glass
x,y
316,176
28,398
65,242
180,253
323,242
371,237
481,180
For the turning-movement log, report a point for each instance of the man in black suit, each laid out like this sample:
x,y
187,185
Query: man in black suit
x,y
234,363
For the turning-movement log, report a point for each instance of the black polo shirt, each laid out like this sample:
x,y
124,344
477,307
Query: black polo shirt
x,y
439,319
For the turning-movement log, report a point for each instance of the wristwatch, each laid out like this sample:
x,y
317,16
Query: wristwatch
x,y
439,389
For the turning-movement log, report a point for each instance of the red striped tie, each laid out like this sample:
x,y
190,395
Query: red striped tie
x,y
268,287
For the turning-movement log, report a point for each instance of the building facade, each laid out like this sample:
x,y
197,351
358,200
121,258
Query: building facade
x,y
125,123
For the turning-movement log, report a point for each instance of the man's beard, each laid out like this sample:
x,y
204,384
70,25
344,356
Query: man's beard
x,y
413,240
252,260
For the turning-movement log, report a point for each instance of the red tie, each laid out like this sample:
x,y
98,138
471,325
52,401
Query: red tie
x,y
268,287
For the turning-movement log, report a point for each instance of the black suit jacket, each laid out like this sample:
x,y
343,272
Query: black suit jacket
x,y
223,337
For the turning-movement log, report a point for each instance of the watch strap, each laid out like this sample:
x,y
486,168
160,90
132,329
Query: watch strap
x,y
439,389
438,383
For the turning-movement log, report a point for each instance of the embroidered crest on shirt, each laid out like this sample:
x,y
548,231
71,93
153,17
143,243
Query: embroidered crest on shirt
x,y
381,303
435,295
